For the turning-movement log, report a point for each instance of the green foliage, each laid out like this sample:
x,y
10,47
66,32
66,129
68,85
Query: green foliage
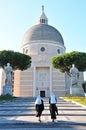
x,y
6,97
81,100
84,86
17,60
63,62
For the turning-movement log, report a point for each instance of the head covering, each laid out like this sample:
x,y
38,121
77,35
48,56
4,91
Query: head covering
x,y
52,98
38,100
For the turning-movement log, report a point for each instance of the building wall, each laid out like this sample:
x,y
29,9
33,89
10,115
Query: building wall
x,y
3,76
41,77
17,83
58,82
23,83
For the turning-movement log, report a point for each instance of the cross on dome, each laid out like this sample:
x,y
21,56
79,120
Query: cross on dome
x,y
43,19
42,8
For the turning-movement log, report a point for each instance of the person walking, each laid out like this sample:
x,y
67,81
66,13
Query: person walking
x,y
39,107
52,107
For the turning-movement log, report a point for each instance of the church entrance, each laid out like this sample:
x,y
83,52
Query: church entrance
x,y
42,93
42,81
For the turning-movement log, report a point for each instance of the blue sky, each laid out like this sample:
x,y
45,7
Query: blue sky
x,y
68,16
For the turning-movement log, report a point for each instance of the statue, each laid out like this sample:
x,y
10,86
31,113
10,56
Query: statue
x,y
7,88
75,88
8,72
74,75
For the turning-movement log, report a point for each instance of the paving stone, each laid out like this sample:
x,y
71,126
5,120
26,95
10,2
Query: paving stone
x,y
20,114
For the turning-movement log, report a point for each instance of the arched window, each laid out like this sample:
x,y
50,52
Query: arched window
x,y
26,51
58,50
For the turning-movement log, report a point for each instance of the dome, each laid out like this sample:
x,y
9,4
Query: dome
x,y
42,32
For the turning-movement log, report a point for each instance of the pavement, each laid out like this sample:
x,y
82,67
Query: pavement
x,y
19,114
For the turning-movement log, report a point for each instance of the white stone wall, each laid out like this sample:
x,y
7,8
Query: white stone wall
x,y
27,85
58,84
23,83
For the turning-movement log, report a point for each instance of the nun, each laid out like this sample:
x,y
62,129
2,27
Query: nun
x,y
39,107
52,107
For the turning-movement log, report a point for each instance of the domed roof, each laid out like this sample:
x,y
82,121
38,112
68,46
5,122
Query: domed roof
x,y
42,32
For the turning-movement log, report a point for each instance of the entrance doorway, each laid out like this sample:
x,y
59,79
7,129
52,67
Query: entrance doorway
x,y
42,81
42,93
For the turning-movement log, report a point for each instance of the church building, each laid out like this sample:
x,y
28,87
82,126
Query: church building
x,y
42,42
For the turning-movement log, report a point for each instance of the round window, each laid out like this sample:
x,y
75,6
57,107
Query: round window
x,y
42,49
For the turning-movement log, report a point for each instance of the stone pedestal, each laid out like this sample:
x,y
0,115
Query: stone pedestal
x,y
7,90
77,90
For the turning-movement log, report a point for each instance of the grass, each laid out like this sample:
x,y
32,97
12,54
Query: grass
x,y
81,100
6,98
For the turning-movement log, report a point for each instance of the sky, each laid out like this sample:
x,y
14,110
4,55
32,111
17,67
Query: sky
x,y
67,16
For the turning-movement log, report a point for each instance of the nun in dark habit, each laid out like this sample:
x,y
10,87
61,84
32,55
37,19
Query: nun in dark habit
x,y
53,107
39,107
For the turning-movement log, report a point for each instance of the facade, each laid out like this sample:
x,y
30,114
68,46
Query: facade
x,y
41,42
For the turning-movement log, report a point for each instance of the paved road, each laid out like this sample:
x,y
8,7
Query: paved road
x,y
19,114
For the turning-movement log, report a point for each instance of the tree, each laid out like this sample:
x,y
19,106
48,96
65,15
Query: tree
x,y
63,62
17,60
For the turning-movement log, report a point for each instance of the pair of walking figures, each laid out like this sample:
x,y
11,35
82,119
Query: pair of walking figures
x,y
39,107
